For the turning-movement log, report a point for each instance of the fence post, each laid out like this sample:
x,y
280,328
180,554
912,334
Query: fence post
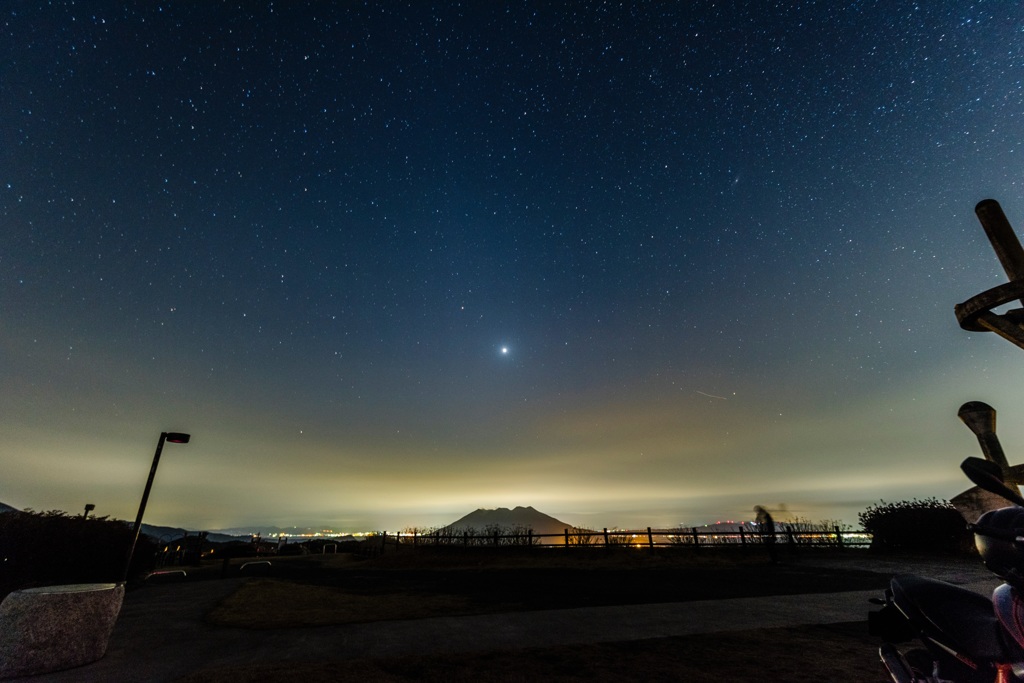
x,y
696,538
465,537
566,538
383,541
743,536
415,539
839,538
791,537
495,537
650,538
606,536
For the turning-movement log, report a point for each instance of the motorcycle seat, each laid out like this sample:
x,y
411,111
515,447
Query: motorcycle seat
x,y
958,618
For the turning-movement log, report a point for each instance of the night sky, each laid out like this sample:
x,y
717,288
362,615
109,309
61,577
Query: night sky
x,y
390,262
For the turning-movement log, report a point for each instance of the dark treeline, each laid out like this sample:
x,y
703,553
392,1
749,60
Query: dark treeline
x,y
53,547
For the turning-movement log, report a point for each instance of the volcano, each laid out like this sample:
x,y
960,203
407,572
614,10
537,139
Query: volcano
x,y
480,521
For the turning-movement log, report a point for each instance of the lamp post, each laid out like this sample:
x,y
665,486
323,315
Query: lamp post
x,y
173,437
89,507
980,418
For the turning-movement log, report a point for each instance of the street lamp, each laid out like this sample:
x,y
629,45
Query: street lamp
x,y
173,437
980,418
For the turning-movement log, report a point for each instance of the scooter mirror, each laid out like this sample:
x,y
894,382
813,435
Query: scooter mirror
x,y
988,476
986,467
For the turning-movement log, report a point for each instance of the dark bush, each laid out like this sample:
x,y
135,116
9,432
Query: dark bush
x,y
929,525
50,548
292,549
231,549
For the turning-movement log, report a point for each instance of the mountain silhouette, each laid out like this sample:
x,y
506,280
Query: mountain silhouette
x,y
517,518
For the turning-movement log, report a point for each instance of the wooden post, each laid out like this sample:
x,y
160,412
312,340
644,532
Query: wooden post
x,y
529,538
696,538
743,536
465,537
566,538
415,539
839,537
606,536
650,538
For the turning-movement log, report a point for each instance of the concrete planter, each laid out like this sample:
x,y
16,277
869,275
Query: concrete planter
x,y
56,627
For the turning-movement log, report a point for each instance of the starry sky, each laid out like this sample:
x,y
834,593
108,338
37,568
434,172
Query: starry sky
x,y
633,265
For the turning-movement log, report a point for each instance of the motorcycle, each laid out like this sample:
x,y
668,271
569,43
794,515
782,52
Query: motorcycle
x,y
964,636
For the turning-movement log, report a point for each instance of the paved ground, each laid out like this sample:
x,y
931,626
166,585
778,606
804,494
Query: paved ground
x,y
161,636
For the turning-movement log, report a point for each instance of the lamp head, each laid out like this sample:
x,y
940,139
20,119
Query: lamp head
x,y
178,437
979,417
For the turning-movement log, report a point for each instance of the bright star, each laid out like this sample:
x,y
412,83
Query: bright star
x,y
504,350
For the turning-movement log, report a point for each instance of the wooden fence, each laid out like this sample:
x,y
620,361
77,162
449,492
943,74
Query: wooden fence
x,y
693,538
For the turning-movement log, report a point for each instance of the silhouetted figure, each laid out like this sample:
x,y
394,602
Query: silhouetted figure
x,y
766,527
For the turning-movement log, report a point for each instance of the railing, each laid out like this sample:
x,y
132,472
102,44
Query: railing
x,y
693,538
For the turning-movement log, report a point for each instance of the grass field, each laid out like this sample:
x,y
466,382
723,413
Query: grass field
x,y
424,583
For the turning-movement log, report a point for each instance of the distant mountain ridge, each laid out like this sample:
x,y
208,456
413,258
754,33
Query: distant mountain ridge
x,y
169,533
518,517
7,508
